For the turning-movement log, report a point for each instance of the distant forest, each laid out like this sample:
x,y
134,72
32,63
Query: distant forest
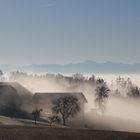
x,y
120,87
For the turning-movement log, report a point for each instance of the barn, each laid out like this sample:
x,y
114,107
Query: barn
x,y
45,101
13,98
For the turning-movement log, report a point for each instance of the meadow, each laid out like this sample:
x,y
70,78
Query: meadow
x,y
52,133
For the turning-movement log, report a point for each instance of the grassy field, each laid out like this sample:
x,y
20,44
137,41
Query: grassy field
x,y
48,133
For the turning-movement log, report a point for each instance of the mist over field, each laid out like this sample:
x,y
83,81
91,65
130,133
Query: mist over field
x,y
121,109
70,69
135,78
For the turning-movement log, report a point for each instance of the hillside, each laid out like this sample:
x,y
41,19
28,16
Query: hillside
x,y
47,133
20,129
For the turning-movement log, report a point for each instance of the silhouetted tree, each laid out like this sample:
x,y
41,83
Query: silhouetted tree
x,y
134,92
78,77
67,106
92,79
100,81
36,113
122,83
101,94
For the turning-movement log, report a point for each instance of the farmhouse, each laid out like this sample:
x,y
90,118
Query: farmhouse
x,y
13,91
13,97
45,101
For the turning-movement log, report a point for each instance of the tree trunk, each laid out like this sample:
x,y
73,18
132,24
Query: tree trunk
x,y
64,121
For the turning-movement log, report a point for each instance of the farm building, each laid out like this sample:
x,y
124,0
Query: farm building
x,y
13,96
45,101
13,90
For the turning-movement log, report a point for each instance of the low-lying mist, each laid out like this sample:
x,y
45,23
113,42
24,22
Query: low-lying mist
x,y
121,110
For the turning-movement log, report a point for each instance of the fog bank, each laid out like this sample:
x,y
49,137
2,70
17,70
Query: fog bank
x,y
118,110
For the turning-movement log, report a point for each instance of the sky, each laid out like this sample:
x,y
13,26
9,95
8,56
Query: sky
x,y
69,31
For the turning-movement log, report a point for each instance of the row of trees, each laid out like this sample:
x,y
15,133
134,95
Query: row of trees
x,y
120,84
125,88
120,87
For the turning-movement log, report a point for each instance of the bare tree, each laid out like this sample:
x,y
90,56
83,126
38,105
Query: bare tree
x,y
101,94
67,106
92,79
134,92
36,113
100,81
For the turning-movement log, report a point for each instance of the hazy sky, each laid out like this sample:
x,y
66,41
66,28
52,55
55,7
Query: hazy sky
x,y
63,31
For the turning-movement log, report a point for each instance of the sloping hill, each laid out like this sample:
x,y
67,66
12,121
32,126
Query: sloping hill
x,y
20,129
51,133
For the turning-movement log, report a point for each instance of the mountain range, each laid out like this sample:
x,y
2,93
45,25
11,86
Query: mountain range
x,y
86,67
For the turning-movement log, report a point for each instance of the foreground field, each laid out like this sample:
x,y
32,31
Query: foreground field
x,y
47,133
